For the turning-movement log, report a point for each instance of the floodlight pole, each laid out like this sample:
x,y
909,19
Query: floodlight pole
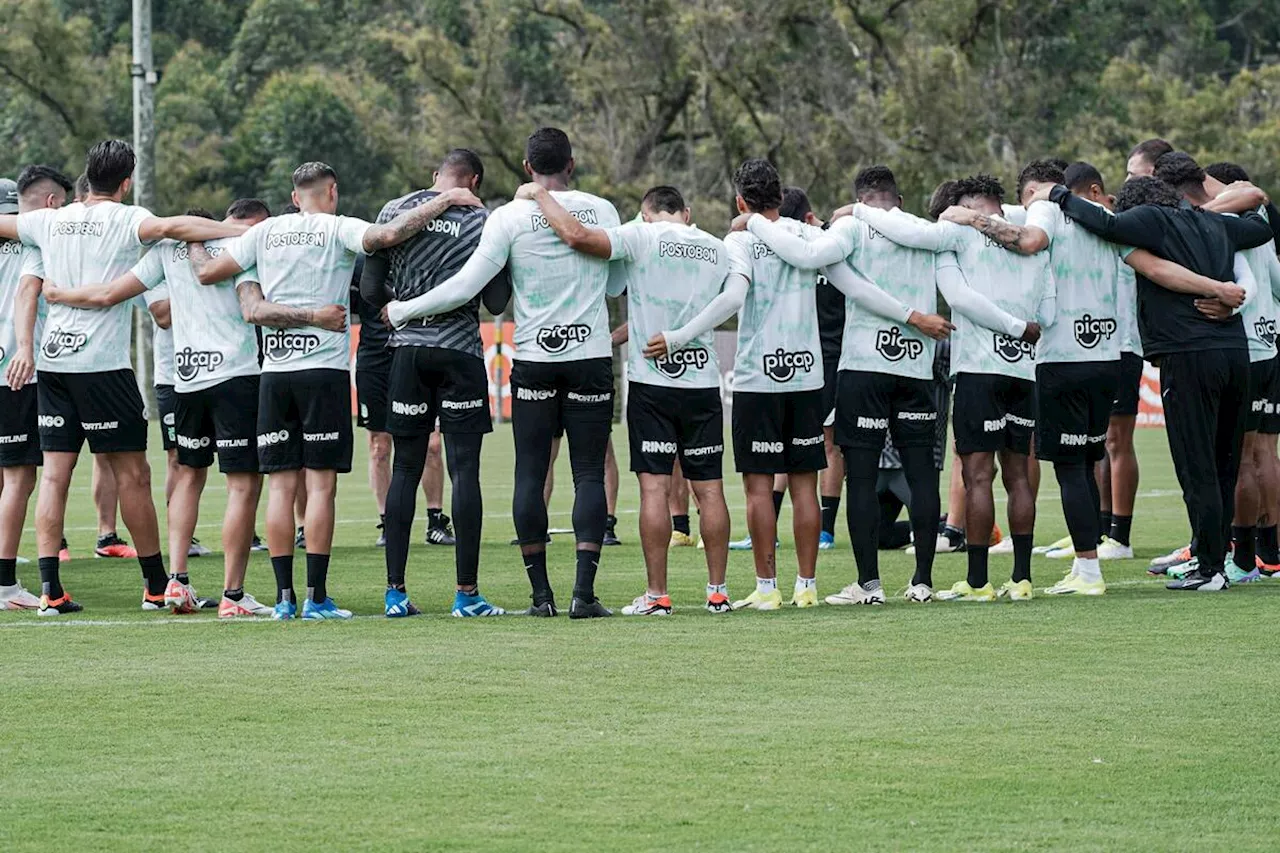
x,y
144,175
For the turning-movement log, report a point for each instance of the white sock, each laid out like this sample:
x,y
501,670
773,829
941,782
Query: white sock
x,y
1089,569
713,588
806,583
765,586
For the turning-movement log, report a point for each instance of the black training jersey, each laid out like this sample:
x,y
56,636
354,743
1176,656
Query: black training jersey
x,y
427,259
374,334
830,302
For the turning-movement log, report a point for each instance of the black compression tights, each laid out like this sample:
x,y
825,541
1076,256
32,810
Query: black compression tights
x,y
587,441
1080,503
862,468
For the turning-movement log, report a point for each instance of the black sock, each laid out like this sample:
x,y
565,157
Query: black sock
x,y
1245,550
680,523
1022,545
610,522
317,576
153,573
283,568
50,583
433,516
236,594
1268,548
777,503
535,565
584,585
1105,520
830,511
183,578
8,572
955,535
977,565
1122,524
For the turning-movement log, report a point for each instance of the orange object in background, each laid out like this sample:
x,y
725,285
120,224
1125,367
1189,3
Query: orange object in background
x,y
1150,405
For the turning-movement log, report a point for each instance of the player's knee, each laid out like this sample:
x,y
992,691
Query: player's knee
x,y
379,447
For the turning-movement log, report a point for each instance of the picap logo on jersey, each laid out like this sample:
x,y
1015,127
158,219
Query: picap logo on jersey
x,y
58,343
586,217
280,345
556,339
1013,350
675,364
1265,330
1090,331
782,366
188,363
894,347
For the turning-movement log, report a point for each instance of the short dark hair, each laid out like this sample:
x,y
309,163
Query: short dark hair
x,y
663,199
875,179
795,204
82,185
1179,169
309,174
1040,171
1146,190
32,175
984,185
1151,149
757,181
1225,171
944,196
1059,162
463,161
289,208
247,208
548,151
109,164
1080,175
202,212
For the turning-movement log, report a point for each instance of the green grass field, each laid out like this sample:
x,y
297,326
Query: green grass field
x,y
1139,721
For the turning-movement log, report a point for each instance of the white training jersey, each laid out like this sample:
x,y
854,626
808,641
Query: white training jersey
x,y
1259,313
671,272
778,346
85,245
303,260
1086,325
210,341
558,293
16,261
161,338
874,343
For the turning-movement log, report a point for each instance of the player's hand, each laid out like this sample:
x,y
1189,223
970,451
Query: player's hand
x,y
657,346
620,335
1032,333
934,325
52,293
959,215
841,212
739,222
1214,309
21,368
331,317
463,197
529,191
1229,294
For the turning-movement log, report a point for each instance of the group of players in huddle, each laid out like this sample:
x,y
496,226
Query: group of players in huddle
x,y
1054,303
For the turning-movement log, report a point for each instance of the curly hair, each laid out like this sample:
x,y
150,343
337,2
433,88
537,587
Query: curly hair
x,y
1144,190
757,181
980,185
1179,169
1040,171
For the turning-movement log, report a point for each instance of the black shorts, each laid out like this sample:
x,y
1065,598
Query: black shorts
x,y
778,433
433,382
830,371
871,404
664,423
1270,423
104,408
222,416
167,403
304,421
373,379
1129,381
1075,402
19,433
559,392
992,413
1262,382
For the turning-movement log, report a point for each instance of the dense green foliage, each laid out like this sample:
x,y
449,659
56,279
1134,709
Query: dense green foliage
x,y
651,90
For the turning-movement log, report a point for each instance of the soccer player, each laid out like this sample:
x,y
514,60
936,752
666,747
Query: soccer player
x,y
995,379
86,385
304,262
21,269
215,401
437,372
563,373
885,384
1203,361
671,270
1143,157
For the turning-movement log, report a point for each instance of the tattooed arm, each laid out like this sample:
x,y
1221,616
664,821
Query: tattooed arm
x,y
412,221
257,310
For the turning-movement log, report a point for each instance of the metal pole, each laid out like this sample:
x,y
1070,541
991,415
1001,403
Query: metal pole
x,y
144,176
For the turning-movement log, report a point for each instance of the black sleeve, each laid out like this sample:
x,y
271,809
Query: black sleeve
x,y
1273,216
497,293
1247,231
1139,227
374,288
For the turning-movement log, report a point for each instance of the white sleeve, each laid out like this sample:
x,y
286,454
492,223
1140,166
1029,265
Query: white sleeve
x,y
1245,278
244,249
796,250
862,290
911,231
455,291
33,226
1014,213
137,216
972,304
350,233
495,239
724,306
33,264
1045,216
150,270
625,241
156,294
